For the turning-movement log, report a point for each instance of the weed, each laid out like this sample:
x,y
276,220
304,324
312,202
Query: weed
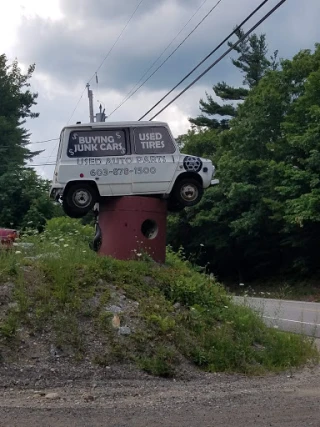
x,y
161,363
9,326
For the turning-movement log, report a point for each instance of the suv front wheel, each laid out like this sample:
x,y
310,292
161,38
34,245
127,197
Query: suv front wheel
x,y
188,192
79,199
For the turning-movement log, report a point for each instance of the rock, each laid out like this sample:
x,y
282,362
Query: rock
x,y
124,330
94,302
114,309
88,398
52,396
116,321
39,393
54,351
177,305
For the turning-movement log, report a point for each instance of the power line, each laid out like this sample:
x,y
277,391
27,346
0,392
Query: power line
x,y
132,92
105,58
51,154
208,56
77,104
41,164
221,57
118,38
42,142
157,59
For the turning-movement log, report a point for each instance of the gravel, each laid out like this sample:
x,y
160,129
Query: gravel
x,y
86,395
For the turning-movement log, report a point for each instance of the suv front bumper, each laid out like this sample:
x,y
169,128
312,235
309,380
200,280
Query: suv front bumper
x,y
214,182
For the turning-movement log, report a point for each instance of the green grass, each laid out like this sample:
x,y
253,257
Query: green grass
x,y
175,313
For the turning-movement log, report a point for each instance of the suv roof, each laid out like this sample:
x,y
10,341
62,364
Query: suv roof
x,y
116,124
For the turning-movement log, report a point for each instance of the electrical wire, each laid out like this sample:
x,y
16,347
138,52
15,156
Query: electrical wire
x,y
207,57
41,164
118,38
222,56
105,58
77,104
42,142
219,59
132,91
157,59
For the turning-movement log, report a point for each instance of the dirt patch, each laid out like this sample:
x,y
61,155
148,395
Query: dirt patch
x,y
123,396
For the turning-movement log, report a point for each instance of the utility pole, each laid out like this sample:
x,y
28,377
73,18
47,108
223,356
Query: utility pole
x,y
90,96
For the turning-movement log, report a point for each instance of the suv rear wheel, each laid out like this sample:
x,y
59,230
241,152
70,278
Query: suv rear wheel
x,y
188,192
79,199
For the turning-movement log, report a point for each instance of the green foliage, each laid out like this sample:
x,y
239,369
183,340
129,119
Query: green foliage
x,y
24,200
253,63
161,363
62,292
65,227
23,194
15,107
263,217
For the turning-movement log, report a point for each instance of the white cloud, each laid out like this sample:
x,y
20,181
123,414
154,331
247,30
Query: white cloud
x,y
13,14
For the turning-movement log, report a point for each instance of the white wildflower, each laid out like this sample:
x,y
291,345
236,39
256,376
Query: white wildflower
x,y
18,252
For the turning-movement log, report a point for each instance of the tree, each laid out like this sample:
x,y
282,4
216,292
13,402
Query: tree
x,y
264,216
16,101
24,200
23,195
253,63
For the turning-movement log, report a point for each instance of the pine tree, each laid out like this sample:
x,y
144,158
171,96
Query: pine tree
x,y
16,101
253,63
23,194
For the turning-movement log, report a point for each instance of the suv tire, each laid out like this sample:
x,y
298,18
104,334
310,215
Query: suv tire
x,y
79,199
188,192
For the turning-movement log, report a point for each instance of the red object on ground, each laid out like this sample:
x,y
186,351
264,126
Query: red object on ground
x,y
131,225
7,236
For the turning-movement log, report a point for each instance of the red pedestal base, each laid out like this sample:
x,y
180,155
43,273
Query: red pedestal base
x,y
131,225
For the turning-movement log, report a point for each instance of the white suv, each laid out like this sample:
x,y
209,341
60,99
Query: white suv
x,y
123,159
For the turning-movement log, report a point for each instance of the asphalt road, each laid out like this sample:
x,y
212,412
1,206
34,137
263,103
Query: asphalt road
x,y
292,316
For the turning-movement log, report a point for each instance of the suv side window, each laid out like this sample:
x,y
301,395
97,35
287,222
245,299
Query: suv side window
x,y
153,140
97,143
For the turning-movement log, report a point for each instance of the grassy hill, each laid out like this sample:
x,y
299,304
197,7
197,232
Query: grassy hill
x,y
62,297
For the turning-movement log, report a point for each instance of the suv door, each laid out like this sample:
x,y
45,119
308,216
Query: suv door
x,y
155,159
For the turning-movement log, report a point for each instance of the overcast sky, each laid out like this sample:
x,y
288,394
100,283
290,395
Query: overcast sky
x,y
68,39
